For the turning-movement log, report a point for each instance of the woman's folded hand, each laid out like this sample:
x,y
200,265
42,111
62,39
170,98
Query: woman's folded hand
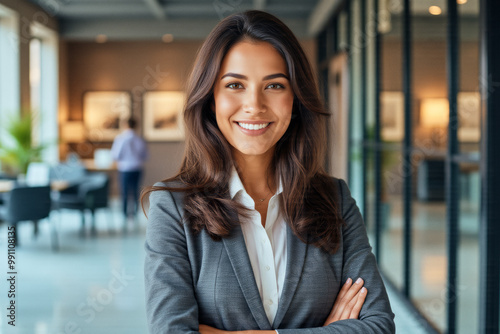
x,y
349,302
347,305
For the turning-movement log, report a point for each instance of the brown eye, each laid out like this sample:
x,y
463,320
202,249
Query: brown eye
x,y
276,86
234,86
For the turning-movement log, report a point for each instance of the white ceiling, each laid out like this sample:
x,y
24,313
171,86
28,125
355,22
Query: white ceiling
x,y
188,19
172,9
150,19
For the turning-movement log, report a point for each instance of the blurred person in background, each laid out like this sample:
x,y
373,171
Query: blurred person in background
x,y
130,152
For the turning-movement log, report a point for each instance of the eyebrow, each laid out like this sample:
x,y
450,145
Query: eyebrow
x,y
244,77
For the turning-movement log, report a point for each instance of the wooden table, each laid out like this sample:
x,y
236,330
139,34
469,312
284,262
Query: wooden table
x,y
6,185
58,185
91,166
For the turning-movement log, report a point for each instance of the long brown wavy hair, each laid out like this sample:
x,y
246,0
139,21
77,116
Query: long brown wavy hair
x,y
309,204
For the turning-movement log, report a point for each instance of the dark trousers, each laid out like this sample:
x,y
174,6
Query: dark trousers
x,y
129,182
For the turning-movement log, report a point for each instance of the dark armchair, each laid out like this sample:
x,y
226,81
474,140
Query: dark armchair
x,y
25,203
91,193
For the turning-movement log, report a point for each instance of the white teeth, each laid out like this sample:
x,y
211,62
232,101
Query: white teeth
x,y
253,126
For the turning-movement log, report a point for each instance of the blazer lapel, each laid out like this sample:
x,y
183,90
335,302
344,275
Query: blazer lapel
x,y
238,255
296,254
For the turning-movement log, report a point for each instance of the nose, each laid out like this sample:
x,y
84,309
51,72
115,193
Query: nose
x,y
254,102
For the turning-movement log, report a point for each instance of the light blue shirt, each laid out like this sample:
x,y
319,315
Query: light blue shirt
x,y
130,151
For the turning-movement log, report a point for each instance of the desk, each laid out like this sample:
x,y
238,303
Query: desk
x,y
92,167
58,185
432,176
111,170
431,179
6,185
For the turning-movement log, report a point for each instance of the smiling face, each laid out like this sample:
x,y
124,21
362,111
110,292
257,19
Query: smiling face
x,y
253,98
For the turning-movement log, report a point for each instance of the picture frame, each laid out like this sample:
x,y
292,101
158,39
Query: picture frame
x,y
104,113
469,109
162,115
392,116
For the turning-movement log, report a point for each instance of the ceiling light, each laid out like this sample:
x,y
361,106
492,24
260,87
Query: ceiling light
x,y
101,38
167,38
435,10
461,2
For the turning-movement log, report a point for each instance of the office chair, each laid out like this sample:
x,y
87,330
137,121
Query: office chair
x,y
90,194
25,203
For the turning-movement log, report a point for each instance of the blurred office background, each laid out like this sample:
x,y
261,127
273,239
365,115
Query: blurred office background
x,y
413,86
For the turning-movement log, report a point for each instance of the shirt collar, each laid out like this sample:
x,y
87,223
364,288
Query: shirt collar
x,y
235,184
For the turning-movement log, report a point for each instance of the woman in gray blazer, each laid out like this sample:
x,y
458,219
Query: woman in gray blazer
x,y
252,235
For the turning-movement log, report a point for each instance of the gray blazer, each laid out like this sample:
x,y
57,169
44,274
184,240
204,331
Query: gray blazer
x,y
191,279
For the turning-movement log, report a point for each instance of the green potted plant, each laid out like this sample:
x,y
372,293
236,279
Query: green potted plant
x,y
18,150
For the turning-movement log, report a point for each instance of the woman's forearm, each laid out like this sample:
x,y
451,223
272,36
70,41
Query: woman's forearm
x,y
204,329
347,306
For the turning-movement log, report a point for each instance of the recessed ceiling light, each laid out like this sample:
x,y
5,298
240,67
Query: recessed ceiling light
x,y
101,38
461,2
167,38
435,10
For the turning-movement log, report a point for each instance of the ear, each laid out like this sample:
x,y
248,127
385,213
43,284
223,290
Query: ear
x,y
212,105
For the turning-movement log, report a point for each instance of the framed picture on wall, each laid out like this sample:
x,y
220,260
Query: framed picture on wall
x,y
103,113
162,120
469,108
392,116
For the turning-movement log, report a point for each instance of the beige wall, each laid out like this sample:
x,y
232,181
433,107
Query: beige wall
x,y
429,72
127,66
429,68
28,13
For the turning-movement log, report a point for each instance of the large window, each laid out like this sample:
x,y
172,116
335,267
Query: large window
x,y
9,67
44,88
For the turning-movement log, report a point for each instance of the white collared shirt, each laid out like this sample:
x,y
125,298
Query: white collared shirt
x,y
266,247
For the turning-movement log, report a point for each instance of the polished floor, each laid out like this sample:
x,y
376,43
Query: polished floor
x,y
91,285
429,260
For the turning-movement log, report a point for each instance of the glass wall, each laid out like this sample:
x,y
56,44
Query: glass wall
x,y
391,99
429,124
469,104
412,231
370,104
356,51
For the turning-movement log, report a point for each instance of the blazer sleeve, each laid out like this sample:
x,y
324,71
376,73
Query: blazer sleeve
x,y
171,305
376,316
